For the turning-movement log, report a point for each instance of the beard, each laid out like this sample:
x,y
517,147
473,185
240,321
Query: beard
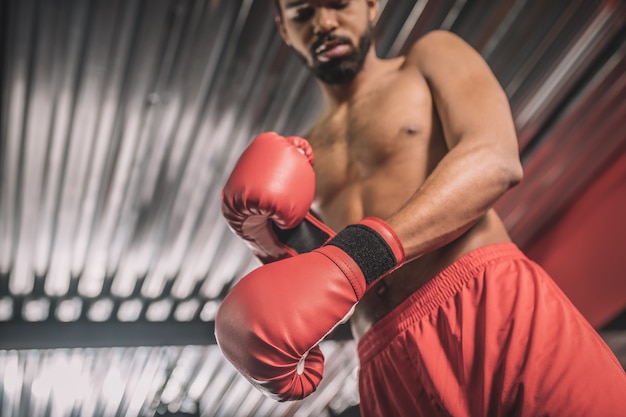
x,y
343,69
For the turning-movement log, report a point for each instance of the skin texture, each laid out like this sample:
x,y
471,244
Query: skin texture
x,y
424,141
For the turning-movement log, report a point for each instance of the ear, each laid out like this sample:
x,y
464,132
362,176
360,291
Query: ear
x,y
372,6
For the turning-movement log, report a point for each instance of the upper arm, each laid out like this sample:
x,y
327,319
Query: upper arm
x,y
468,98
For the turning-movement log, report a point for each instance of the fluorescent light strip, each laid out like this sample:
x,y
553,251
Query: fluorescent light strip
x,y
129,310
69,309
6,308
36,309
159,310
186,310
125,279
100,310
209,310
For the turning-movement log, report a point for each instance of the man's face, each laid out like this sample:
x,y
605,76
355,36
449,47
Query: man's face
x,y
332,37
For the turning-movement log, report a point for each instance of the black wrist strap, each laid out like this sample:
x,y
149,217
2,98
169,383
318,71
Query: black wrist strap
x,y
303,238
368,249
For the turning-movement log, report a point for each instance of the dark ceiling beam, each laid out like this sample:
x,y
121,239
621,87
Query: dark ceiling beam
x,y
83,334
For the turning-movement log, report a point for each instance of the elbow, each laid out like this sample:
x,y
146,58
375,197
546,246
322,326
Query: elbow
x,y
503,167
511,172
505,164
517,172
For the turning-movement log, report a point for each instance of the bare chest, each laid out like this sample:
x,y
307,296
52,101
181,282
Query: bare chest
x,y
377,148
376,125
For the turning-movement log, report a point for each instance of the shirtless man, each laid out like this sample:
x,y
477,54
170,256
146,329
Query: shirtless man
x,y
409,156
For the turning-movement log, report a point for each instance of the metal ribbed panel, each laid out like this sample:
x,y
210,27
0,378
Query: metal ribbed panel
x,y
119,122
139,381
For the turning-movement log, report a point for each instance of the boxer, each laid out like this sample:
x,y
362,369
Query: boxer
x,y
451,318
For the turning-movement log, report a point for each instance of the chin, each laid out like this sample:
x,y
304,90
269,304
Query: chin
x,y
337,72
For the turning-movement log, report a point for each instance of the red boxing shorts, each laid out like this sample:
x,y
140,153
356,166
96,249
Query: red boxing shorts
x,y
491,335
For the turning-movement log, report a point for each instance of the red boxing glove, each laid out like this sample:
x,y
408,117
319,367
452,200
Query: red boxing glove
x,y
267,198
270,323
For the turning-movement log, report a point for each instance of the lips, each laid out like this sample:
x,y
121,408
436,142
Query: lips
x,y
331,49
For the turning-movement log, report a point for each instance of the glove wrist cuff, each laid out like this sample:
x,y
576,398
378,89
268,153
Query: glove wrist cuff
x,y
310,234
373,245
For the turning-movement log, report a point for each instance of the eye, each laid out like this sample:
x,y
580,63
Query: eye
x,y
338,5
302,14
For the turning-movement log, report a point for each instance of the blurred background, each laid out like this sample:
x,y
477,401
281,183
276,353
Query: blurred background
x,y
120,120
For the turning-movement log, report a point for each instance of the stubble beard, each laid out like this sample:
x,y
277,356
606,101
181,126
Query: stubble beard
x,y
343,69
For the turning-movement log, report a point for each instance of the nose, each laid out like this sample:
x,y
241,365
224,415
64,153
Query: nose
x,y
325,21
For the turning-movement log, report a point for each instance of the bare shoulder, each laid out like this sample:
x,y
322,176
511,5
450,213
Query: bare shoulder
x,y
437,41
438,37
463,86
442,48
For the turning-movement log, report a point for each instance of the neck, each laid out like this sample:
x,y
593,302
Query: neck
x,y
335,94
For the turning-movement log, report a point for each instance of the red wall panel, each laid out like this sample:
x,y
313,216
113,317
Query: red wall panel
x,y
585,249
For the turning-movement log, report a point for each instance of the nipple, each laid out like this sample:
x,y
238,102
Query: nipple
x,y
410,130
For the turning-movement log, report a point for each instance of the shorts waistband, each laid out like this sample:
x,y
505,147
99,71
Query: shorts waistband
x,y
432,294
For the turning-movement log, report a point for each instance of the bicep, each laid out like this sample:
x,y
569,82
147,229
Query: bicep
x,y
469,100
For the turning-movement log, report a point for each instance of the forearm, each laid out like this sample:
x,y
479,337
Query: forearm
x,y
463,187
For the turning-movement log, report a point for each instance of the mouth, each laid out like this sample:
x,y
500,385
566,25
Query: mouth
x,y
331,49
